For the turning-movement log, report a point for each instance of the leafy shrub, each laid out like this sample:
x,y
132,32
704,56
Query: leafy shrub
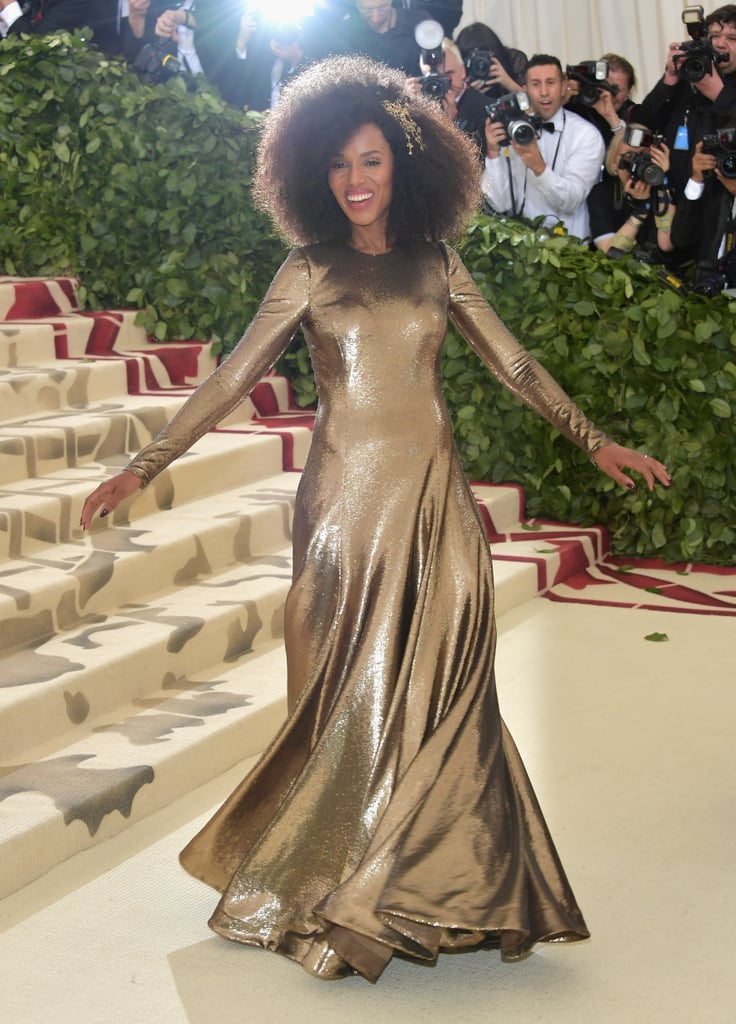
x,y
144,192
656,370
141,190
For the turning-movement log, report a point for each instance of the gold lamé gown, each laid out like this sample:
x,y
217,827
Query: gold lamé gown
x,y
392,812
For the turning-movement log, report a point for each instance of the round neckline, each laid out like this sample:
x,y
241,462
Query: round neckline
x,y
372,255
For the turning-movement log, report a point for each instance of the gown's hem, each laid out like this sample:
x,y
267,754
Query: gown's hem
x,y
315,953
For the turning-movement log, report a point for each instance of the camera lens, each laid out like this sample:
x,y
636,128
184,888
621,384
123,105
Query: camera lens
x,y
521,132
727,165
652,174
434,86
479,65
694,69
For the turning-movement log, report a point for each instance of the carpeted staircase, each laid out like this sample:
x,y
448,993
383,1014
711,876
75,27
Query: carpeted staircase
x,y
145,658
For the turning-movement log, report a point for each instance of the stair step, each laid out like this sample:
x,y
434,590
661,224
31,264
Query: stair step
x,y
26,344
69,682
133,562
37,297
62,384
138,761
37,514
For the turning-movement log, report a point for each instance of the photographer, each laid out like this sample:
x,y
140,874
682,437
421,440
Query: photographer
x,y
612,108
263,57
552,175
383,32
684,104
705,222
632,208
447,83
493,69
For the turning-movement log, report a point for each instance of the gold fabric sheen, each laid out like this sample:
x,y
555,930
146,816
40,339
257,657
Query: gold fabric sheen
x,y
392,812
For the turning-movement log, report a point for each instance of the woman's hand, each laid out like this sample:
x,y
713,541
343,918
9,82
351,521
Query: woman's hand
x,y
498,76
661,156
613,458
638,190
108,496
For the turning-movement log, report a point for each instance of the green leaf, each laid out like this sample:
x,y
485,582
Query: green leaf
x,y
62,152
657,638
720,408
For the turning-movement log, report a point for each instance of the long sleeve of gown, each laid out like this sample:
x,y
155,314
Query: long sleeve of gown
x,y
509,361
267,336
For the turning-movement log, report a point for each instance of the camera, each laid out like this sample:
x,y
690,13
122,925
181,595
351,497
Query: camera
x,y
511,111
429,35
592,75
478,64
698,55
722,145
156,61
640,166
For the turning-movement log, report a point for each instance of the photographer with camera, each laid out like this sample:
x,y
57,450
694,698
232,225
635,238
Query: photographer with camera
x,y
705,222
632,209
602,97
697,93
492,68
443,79
265,55
383,32
551,175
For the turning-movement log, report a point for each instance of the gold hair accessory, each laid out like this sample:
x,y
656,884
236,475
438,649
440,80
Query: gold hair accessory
x,y
412,131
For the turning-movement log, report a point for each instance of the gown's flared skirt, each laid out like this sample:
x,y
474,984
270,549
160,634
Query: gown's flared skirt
x,y
392,813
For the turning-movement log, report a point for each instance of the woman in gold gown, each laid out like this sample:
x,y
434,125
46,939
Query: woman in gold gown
x,y
392,813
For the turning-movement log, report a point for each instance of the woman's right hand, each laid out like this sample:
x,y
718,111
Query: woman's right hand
x,y
498,76
108,496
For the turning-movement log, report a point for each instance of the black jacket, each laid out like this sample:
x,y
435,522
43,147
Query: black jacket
x,y
45,16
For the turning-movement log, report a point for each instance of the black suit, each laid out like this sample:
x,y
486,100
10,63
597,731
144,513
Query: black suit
x,y
699,227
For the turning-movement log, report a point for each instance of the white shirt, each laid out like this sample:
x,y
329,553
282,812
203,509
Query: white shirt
x,y
8,16
573,154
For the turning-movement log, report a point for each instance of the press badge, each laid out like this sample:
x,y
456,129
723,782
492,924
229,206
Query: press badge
x,y
681,139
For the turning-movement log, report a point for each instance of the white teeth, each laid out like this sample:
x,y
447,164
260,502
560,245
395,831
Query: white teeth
x,y
360,198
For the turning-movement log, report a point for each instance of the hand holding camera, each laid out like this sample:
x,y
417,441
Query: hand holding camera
x,y
696,60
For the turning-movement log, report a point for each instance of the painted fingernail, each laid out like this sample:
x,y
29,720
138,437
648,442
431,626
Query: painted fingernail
x,y
631,485
103,513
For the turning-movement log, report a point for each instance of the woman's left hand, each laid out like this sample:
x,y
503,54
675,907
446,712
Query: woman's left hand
x,y
661,156
613,458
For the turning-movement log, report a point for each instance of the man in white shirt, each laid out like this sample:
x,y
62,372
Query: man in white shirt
x,y
552,176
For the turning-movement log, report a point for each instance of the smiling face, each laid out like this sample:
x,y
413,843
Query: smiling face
x,y
545,87
361,180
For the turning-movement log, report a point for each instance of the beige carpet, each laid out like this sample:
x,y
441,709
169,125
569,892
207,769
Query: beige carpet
x,y
630,746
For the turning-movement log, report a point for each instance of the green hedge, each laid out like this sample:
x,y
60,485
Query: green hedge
x,y
143,191
656,370
653,368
